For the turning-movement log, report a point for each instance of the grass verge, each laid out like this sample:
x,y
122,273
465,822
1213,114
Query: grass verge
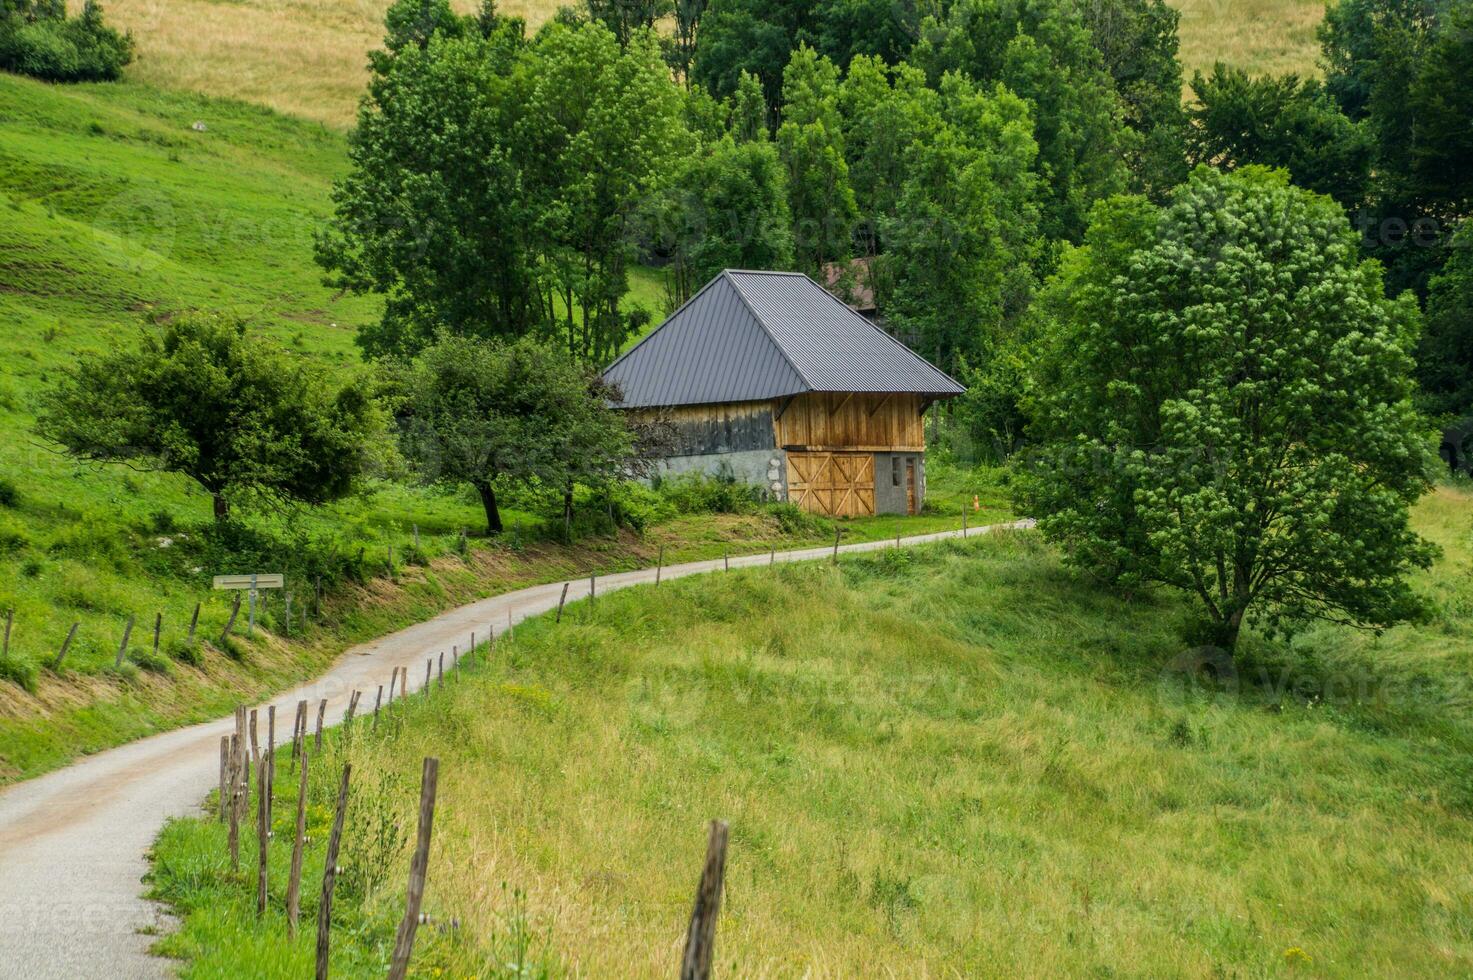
x,y
958,761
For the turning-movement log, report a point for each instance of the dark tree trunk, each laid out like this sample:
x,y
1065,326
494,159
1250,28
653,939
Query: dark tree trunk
x,y
222,507
568,513
493,513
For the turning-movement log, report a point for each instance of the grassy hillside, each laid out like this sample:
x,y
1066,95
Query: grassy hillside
x,y
960,761
308,58
118,214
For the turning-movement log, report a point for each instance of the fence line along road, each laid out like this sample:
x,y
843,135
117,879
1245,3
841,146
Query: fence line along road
x,y
72,842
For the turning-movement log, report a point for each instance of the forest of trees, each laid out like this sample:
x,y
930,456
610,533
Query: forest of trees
x,y
505,184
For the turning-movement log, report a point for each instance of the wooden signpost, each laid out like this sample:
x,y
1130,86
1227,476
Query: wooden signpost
x,y
251,584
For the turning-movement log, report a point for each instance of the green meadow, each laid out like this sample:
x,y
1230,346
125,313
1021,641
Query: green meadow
x,y
963,760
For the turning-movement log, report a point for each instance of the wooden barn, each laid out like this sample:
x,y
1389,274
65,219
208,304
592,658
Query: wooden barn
x,y
767,377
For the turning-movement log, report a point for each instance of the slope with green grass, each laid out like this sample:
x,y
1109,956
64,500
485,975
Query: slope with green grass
x,y
120,206
962,760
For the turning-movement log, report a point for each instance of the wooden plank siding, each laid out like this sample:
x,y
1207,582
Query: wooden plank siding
x,y
835,422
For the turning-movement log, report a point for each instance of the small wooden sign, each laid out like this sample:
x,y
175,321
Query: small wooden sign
x,y
250,581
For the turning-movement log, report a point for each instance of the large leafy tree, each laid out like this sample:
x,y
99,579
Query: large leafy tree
x,y
963,239
729,210
1279,122
811,144
1225,408
597,129
493,414
435,214
1138,42
206,399
1044,52
494,179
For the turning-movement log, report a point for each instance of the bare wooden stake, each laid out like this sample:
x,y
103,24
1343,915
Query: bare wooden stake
x,y
71,635
270,760
836,544
378,699
393,680
317,736
330,876
418,866
772,557
299,730
660,565
263,828
352,709
230,623
235,757
429,666
700,938
9,621
123,647
158,631
964,520
194,622
561,600
224,775
440,677
299,843
593,586
726,560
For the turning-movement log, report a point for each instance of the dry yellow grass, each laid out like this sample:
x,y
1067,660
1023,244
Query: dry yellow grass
x,y
307,57
1263,36
303,57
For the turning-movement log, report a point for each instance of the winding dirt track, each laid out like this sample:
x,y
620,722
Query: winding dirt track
x,y
73,843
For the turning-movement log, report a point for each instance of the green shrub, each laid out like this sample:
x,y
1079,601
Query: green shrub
x,y
235,648
700,493
152,662
9,495
38,39
797,522
18,672
186,651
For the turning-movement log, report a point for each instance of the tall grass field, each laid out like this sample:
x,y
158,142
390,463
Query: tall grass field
x,y
309,58
958,761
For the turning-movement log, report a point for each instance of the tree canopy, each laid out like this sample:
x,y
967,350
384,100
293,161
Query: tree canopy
x,y
493,414
206,399
1224,406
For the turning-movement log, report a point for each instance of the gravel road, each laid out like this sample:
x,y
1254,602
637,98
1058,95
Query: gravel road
x,y
73,843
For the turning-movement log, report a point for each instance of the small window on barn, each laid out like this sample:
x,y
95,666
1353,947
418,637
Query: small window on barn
x,y
894,471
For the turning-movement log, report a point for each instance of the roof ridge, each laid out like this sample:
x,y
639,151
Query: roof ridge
x,y
879,330
727,275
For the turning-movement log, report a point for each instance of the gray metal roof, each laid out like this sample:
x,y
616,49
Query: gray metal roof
x,y
749,336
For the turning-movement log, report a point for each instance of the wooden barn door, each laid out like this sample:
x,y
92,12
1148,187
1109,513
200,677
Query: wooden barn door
x,y
833,484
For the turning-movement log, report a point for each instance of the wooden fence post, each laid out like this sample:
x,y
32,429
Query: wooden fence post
x,y
352,709
287,628
299,729
378,699
9,621
393,680
230,623
194,622
561,600
726,559
224,773
440,677
418,865
660,565
158,631
772,557
836,544
593,586
330,876
964,519
263,827
123,647
270,760
299,843
429,666
71,635
317,738
700,938
255,745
